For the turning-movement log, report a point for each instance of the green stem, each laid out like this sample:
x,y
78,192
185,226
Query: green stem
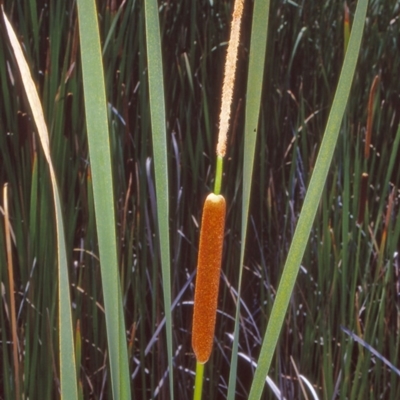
x,y
198,384
218,175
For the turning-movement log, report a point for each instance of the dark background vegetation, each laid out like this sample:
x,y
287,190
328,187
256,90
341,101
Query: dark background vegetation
x,y
355,284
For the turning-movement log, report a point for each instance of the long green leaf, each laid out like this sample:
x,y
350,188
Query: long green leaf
x,y
67,354
311,202
101,168
258,45
157,114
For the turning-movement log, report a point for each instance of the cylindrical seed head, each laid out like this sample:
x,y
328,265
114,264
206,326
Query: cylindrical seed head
x,y
208,274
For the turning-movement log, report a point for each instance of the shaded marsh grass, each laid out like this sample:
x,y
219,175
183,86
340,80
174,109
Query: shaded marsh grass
x,y
349,275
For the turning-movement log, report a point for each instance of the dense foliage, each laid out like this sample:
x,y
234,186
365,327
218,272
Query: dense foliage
x,y
350,274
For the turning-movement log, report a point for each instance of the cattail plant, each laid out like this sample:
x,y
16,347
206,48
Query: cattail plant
x,y
370,116
213,222
368,135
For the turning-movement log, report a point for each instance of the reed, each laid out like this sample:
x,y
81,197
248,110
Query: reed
x,y
15,341
349,273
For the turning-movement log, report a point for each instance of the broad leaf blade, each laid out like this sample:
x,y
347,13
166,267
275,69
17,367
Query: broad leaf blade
x,y
254,90
158,128
311,203
101,169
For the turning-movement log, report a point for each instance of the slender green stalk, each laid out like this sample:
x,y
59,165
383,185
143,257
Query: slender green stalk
x,y
218,175
11,285
198,385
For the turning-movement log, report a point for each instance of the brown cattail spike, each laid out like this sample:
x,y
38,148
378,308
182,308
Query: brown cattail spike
x,y
370,116
387,219
208,274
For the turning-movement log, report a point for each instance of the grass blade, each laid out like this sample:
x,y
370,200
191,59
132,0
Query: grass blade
x,y
258,47
67,353
157,115
311,202
101,168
